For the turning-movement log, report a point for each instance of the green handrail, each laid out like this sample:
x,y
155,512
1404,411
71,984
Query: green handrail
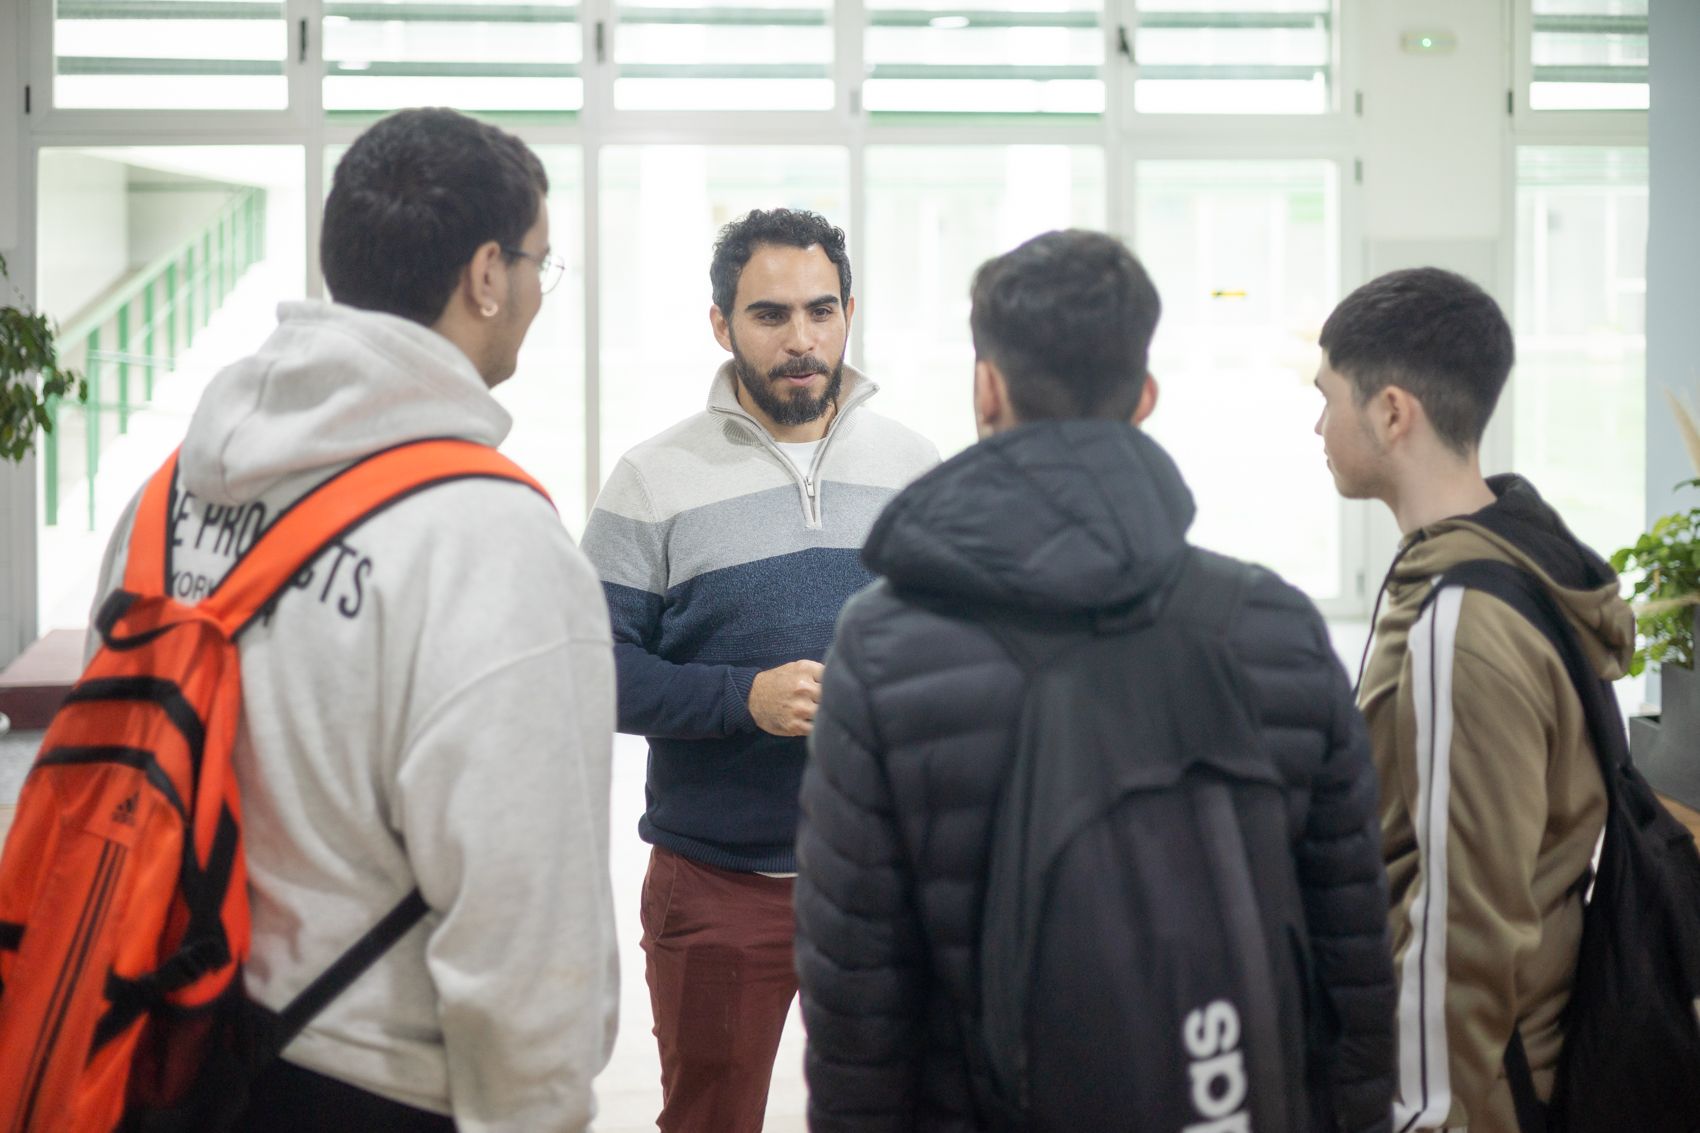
x,y
176,294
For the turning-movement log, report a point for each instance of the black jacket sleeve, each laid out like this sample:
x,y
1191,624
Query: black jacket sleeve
x,y
1344,885
860,959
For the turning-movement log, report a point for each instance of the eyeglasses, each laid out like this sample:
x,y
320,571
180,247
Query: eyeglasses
x,y
550,267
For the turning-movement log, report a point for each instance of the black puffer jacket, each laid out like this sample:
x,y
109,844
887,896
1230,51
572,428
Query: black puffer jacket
x,y
913,740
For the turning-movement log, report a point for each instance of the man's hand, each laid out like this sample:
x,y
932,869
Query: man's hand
x,y
783,700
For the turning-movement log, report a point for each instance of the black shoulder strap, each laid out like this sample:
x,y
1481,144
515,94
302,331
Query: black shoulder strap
x,y
335,980
1524,593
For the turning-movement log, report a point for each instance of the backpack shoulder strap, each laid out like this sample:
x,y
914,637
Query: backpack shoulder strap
x,y
1524,593
279,1029
338,506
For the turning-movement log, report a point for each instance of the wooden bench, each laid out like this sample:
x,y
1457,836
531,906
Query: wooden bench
x,y
34,686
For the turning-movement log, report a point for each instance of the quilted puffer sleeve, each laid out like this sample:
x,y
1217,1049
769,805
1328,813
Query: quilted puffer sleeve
x,y
1319,738
860,958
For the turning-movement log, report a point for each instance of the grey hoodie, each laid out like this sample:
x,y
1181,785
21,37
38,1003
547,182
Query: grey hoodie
x,y
433,705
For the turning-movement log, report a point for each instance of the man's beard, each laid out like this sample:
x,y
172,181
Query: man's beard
x,y
788,407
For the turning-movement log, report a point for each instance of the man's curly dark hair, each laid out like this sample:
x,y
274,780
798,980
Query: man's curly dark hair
x,y
791,228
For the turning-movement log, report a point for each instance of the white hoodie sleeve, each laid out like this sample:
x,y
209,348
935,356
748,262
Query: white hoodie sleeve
x,y
502,800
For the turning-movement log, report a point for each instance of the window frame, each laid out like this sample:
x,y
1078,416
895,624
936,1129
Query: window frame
x,y
1124,135
1532,126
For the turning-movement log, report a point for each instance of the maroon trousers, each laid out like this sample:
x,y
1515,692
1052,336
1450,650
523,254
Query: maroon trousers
x,y
718,959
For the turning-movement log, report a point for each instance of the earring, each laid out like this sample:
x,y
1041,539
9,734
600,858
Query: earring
x,y
488,310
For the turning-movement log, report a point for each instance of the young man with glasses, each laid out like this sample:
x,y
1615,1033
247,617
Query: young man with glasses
x,y
432,706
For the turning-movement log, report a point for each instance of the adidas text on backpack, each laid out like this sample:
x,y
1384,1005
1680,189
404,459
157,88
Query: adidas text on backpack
x,y
123,892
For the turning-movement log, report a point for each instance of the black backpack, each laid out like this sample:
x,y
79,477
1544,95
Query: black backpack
x,y
1631,1057
1142,953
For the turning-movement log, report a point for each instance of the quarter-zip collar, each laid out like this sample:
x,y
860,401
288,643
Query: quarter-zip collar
x,y
856,388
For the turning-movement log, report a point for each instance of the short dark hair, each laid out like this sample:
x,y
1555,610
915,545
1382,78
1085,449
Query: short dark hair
x,y
1433,333
414,197
791,228
1067,318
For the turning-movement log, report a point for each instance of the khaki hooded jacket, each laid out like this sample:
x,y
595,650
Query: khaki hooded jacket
x,y
1491,802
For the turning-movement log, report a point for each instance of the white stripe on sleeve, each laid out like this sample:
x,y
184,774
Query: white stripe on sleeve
x,y
1425,1087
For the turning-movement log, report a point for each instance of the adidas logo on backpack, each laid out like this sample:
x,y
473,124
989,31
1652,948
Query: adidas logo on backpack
x,y
1212,1037
123,890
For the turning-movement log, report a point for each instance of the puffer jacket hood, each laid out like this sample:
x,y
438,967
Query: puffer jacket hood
x,y
331,384
1052,517
1522,529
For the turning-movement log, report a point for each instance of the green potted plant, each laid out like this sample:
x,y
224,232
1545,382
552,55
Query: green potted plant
x,y
30,373
1666,564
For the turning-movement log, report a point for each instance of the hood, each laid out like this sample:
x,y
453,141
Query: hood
x,y
1050,517
1520,528
331,384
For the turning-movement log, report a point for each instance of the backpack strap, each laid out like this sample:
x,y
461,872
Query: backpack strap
x,y
1523,592
339,505
303,529
277,1030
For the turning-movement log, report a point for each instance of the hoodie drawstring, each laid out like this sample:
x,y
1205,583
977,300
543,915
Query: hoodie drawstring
x,y
1376,612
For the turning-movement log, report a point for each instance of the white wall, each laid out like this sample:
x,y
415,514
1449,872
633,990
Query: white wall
x,y
1673,244
1433,141
83,227
1433,125
11,112
17,482
164,208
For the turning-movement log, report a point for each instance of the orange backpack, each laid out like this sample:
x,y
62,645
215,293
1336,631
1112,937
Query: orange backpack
x,y
123,887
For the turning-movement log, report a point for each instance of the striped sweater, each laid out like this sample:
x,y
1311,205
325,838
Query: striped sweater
x,y
721,559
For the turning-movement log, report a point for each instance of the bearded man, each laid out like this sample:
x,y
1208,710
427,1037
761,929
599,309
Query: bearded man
x,y
726,547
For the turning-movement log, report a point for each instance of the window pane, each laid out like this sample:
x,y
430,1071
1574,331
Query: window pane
x,y
161,264
1589,55
661,207
170,54
1579,384
1250,57
934,215
546,393
470,54
999,58
764,55
1246,257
